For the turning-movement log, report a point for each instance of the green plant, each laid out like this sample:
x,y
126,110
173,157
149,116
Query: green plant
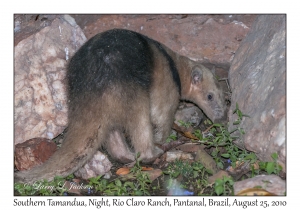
x,y
222,142
139,185
184,124
24,189
271,167
179,167
194,175
172,137
224,186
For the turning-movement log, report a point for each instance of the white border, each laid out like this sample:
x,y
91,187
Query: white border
x,y
151,6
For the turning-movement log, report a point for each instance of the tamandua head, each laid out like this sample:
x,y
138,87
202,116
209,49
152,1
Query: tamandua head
x,y
204,91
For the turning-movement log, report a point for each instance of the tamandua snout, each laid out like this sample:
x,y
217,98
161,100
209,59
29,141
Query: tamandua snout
x,y
124,82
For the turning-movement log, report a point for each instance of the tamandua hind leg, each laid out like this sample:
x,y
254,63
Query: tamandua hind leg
x,y
118,148
162,120
141,132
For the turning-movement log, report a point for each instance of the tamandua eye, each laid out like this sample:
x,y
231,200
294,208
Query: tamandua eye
x,y
210,97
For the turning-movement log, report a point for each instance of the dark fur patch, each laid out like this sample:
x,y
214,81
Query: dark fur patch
x,y
116,57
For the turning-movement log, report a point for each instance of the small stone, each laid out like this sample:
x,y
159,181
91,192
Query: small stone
x,y
219,175
98,165
171,156
33,152
206,160
190,147
190,114
153,174
270,183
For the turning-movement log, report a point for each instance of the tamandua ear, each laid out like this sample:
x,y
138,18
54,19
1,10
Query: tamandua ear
x,y
197,75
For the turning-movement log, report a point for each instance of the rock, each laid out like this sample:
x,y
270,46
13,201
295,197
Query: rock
x,y
206,160
33,152
258,82
270,183
153,174
190,147
241,168
98,165
39,91
125,174
26,25
171,156
219,175
188,113
207,38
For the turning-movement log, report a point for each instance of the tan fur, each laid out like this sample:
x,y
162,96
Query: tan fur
x,y
197,92
160,107
164,98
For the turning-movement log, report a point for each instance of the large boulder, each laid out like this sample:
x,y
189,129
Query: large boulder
x,y
39,91
210,39
258,80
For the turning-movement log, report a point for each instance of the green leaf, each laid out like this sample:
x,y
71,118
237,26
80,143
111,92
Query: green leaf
x,y
236,122
166,172
217,125
209,171
239,113
231,182
236,108
235,137
245,115
262,165
118,183
242,132
217,139
195,174
176,174
219,189
220,165
274,156
198,134
258,187
219,182
129,184
214,153
250,156
270,167
225,155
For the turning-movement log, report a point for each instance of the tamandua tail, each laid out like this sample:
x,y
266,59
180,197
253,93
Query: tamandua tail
x,y
84,136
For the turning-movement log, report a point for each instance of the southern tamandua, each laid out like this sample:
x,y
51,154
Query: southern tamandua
x,y
121,81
